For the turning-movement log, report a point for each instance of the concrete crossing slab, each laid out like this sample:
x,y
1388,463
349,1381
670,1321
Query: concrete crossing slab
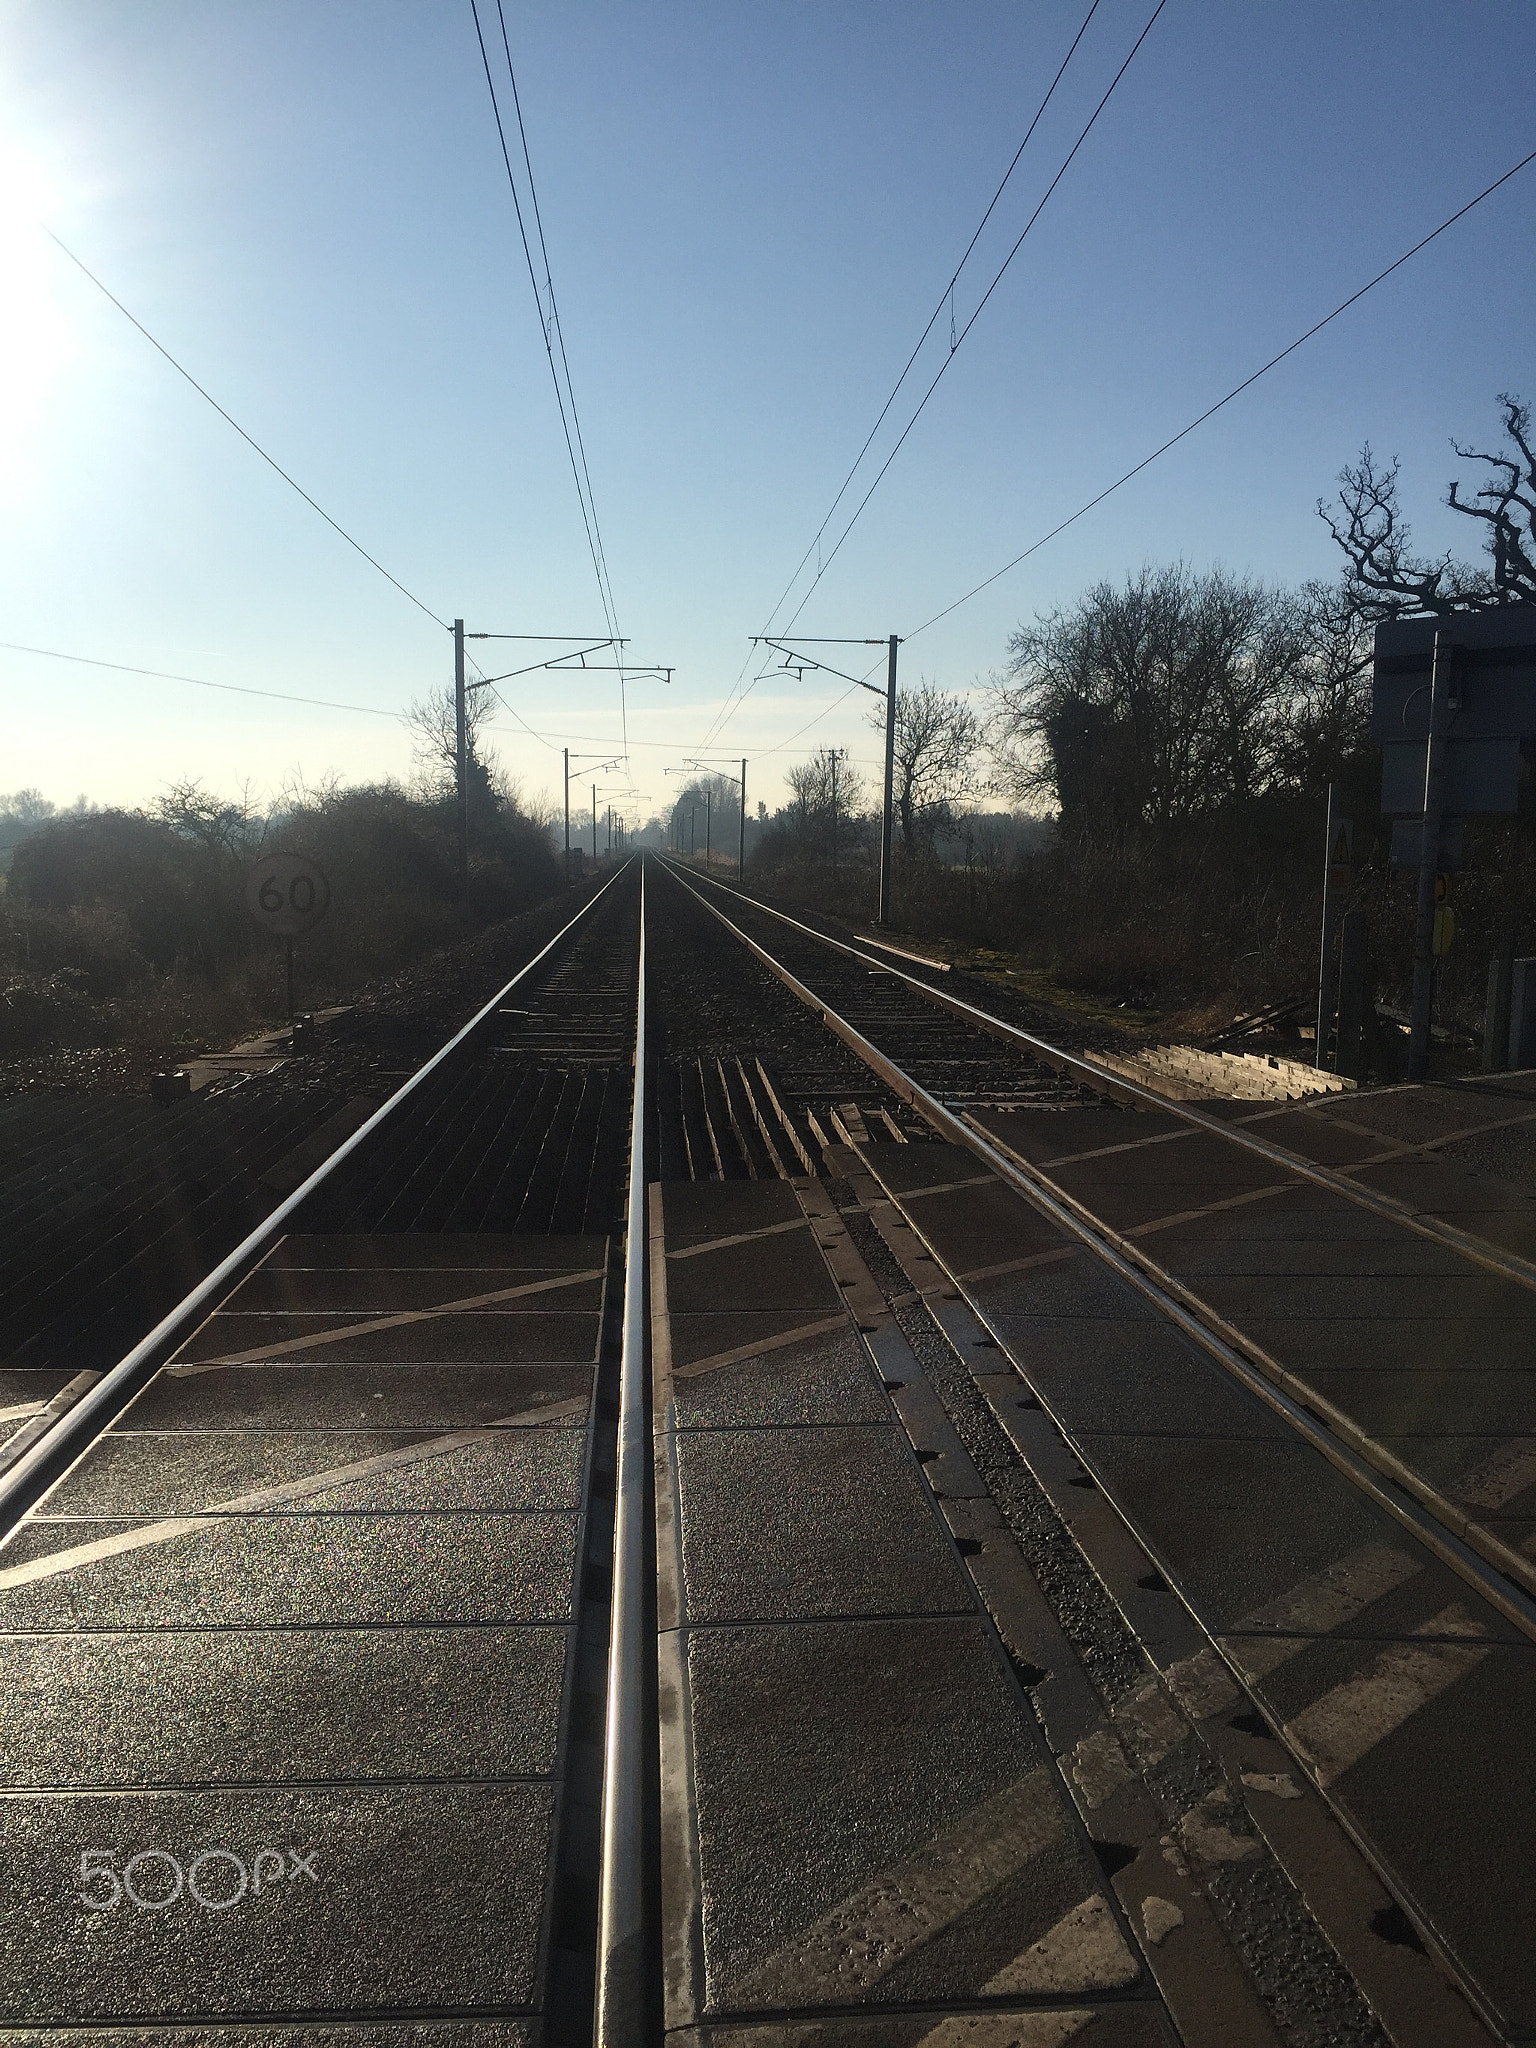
x,y
826,1378
1385,1670
403,1251
345,1397
492,1336
858,1810
845,1526
142,1474
293,1570
462,1867
200,1706
320,1608
371,1291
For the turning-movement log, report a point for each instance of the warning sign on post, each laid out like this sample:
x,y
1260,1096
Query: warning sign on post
x,y
287,894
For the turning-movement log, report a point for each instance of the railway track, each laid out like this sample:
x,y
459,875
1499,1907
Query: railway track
x,y
757,1502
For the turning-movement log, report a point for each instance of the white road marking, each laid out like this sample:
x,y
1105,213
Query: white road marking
x,y
1202,1685
253,1354
1098,1766
719,1244
1006,2030
1343,1726
774,1343
1084,1951
1498,1479
1318,1605
846,1951
58,1562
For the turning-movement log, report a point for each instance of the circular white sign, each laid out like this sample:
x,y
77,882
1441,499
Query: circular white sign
x,y
287,894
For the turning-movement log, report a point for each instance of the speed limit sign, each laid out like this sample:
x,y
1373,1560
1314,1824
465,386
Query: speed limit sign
x,y
286,894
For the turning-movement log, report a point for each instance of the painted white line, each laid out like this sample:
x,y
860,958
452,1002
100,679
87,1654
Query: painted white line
x,y
253,1354
1005,2030
719,1244
763,1344
1318,1605
57,1562
22,1410
1343,1726
1498,1479
1084,1951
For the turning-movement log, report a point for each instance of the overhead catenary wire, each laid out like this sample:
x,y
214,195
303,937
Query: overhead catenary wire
x,y
946,298
1236,392
981,307
291,697
1209,413
610,608
825,560
202,682
250,439
565,398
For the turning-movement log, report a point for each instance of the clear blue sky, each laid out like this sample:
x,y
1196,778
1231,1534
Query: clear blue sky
x,y
751,211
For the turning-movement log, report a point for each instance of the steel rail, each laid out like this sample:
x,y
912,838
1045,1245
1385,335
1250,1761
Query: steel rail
x,y
32,1473
1105,1082
620,2020
1216,1338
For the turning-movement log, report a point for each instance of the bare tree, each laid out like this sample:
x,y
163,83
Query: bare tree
x,y
234,826
826,795
434,728
1151,704
937,758
1507,506
1384,578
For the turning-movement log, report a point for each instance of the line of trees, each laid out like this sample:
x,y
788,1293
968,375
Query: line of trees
x,y
1180,730
122,924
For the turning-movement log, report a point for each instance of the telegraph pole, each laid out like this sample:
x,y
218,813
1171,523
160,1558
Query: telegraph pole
x,y
832,754
567,753
461,756
594,824
741,851
884,915
709,807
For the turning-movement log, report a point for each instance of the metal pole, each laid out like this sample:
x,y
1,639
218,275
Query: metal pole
x,y
461,755
594,824
290,988
884,915
567,753
622,2018
709,810
1325,954
1429,859
832,759
741,849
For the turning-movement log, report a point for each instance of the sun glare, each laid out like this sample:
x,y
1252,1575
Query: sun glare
x,y
37,340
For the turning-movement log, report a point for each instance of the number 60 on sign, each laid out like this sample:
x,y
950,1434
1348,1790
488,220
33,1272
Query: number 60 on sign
x,y
287,894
